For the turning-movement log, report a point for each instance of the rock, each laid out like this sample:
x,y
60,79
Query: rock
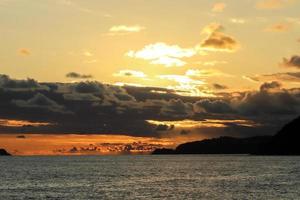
x,y
3,152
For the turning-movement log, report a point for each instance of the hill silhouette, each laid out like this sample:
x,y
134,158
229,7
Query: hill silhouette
x,y
3,152
285,142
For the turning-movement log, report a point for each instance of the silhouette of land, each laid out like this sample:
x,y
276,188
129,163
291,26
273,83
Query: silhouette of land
x,y
3,152
285,142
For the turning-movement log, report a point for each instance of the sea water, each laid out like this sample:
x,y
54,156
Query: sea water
x,y
150,177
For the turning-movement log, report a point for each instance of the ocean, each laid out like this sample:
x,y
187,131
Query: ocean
x,y
150,177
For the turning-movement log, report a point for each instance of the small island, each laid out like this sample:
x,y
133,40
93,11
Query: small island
x,y
3,152
285,142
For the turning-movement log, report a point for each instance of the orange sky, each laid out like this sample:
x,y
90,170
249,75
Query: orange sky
x,y
59,144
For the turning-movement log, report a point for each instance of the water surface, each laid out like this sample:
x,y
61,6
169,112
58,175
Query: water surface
x,y
150,177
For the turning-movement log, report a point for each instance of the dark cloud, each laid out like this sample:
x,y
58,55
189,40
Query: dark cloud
x,y
92,107
219,86
176,108
12,84
264,103
270,86
88,87
213,106
40,101
77,75
294,61
217,40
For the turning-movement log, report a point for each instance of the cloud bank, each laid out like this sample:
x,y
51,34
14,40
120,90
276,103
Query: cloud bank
x,y
92,107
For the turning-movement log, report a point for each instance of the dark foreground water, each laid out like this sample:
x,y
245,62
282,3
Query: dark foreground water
x,y
150,177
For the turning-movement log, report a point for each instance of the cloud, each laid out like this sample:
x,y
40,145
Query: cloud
x,y
273,4
237,21
294,61
87,54
205,73
164,54
186,85
284,76
278,28
124,28
93,107
218,86
40,101
264,103
24,52
169,62
213,106
182,79
172,55
218,7
177,109
131,73
119,30
211,63
217,40
269,86
78,76
20,85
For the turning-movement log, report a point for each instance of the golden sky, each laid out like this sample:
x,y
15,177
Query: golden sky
x,y
173,43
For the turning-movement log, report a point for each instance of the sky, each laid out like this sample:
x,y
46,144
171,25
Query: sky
x,y
160,70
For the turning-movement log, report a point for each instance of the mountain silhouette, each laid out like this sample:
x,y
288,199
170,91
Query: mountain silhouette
x,y
3,152
285,142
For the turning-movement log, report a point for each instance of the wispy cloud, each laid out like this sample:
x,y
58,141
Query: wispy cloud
x,y
237,21
211,63
284,76
125,28
280,27
205,73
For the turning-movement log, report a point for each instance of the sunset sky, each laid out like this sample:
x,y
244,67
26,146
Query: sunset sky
x,y
168,70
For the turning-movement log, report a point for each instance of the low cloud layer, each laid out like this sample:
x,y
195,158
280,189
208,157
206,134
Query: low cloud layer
x,y
92,107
